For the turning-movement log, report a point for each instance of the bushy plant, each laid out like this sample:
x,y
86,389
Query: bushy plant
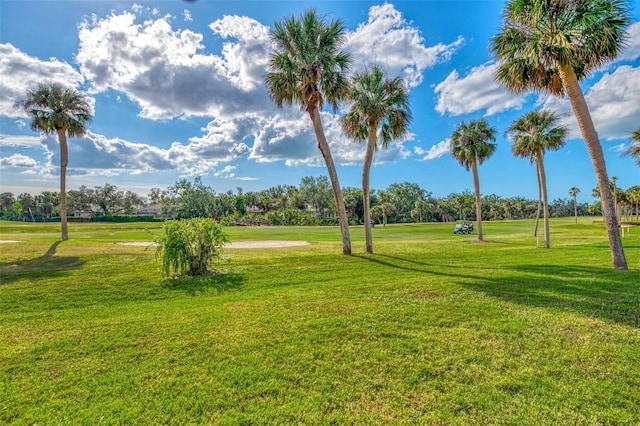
x,y
189,246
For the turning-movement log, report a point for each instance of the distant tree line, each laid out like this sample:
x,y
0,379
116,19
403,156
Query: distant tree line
x,y
310,203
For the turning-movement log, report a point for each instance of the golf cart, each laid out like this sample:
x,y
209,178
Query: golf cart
x,y
463,227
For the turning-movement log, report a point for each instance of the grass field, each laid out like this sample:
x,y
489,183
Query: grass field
x,y
433,328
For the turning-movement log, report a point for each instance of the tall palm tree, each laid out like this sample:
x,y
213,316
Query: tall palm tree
x,y
549,46
533,134
573,192
470,146
633,150
63,111
307,68
379,109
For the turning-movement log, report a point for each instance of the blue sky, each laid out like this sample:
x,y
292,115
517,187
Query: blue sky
x,y
177,91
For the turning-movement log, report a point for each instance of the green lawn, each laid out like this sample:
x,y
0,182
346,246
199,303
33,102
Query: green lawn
x,y
433,328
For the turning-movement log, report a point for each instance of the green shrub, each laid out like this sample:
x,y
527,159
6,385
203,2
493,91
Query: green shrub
x,y
188,246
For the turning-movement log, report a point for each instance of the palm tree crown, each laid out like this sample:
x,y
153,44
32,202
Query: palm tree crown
x,y
308,68
633,150
53,107
539,37
377,103
535,133
470,142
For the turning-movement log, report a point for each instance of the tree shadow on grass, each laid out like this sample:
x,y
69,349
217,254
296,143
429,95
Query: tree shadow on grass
x,y
45,266
416,266
590,291
215,282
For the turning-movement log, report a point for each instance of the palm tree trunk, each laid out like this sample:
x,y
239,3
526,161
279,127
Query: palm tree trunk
x,y
575,208
535,227
476,186
64,161
581,111
545,201
366,169
333,176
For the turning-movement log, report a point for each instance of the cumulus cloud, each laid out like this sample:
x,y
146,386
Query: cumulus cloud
x,y
475,92
18,161
613,104
632,49
20,72
187,15
436,151
399,47
165,71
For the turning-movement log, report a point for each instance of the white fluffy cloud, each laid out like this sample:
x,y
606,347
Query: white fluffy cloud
x,y
613,104
632,49
399,47
17,160
475,92
165,71
20,72
436,151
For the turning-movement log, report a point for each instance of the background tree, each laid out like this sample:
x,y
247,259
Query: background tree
x,y
533,134
54,109
549,46
308,69
633,195
573,192
633,150
470,146
379,109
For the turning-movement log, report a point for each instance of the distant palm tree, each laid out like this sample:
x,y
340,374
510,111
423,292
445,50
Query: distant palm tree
x,y
633,194
633,150
308,69
549,46
573,192
470,146
54,109
379,109
533,134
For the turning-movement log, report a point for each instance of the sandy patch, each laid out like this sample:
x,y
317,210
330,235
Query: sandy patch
x,y
238,244
9,241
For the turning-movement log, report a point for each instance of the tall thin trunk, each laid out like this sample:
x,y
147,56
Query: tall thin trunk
x,y
545,201
366,170
64,161
333,176
575,208
476,186
535,227
581,111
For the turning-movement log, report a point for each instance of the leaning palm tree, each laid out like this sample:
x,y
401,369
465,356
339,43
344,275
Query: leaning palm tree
x,y
470,146
573,192
379,109
549,46
54,109
307,68
533,134
633,150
